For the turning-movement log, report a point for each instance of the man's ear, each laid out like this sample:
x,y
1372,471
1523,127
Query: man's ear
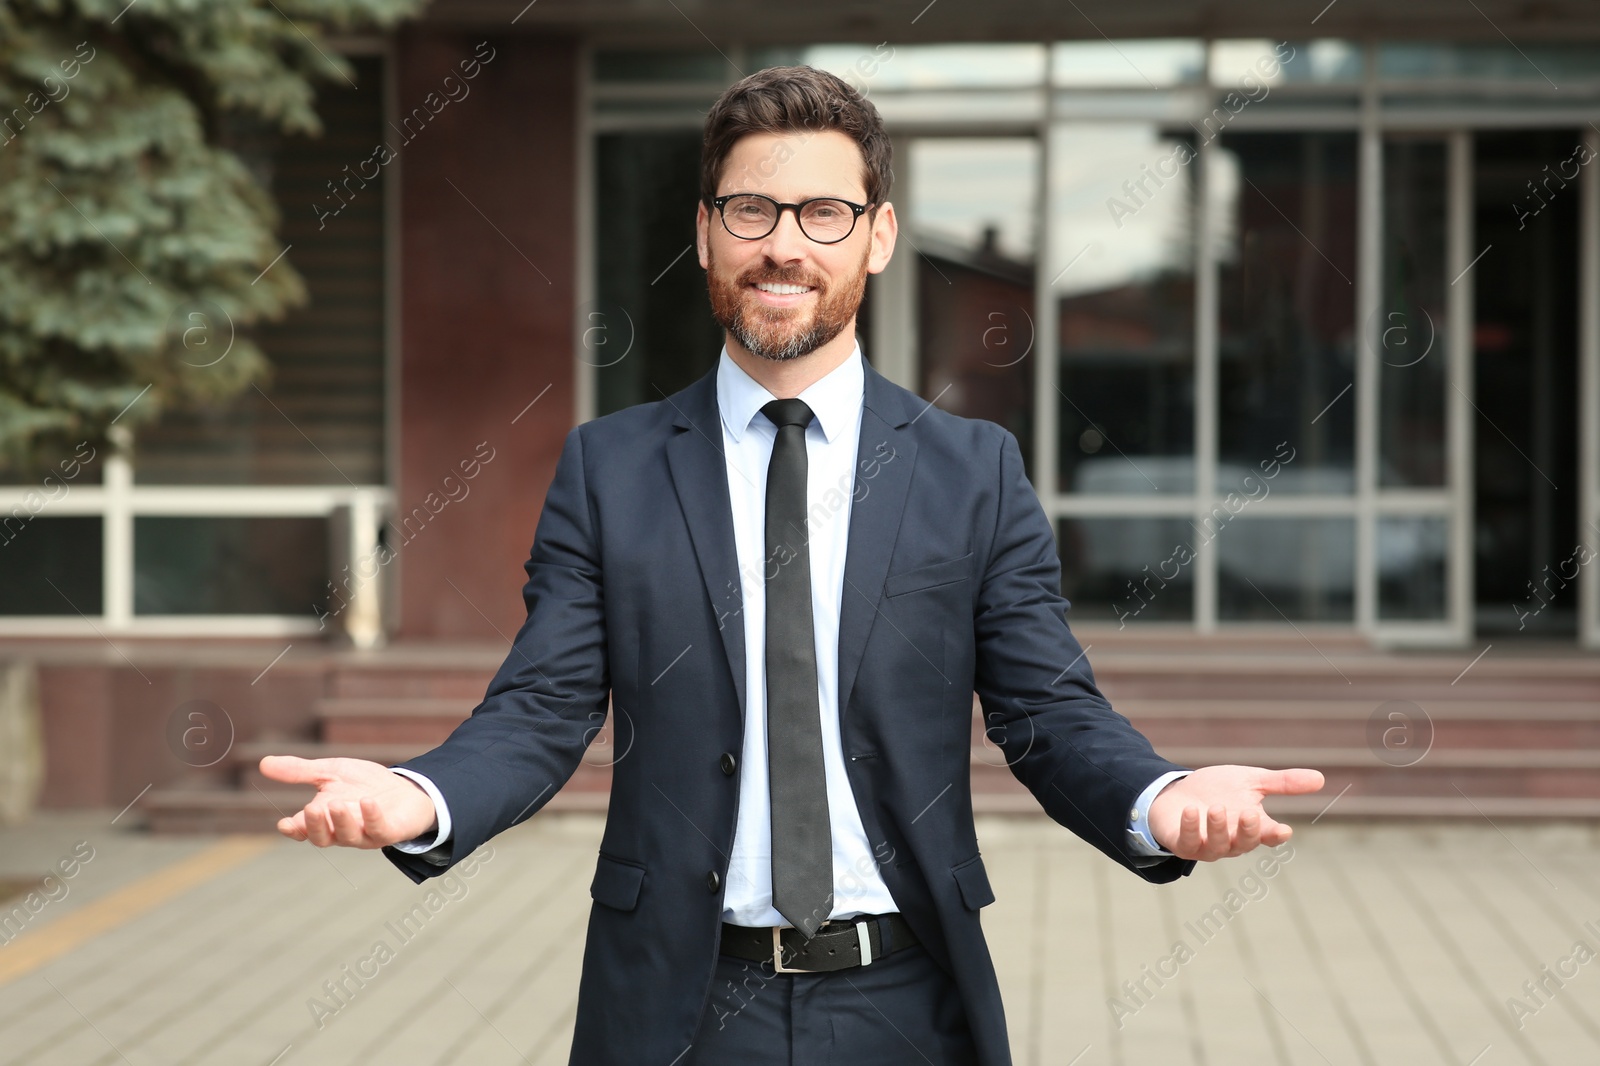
x,y
885,227
701,235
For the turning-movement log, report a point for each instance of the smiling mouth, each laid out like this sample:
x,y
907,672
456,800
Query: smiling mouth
x,y
778,289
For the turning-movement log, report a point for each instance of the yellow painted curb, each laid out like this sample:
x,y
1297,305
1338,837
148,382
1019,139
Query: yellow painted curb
x,y
34,949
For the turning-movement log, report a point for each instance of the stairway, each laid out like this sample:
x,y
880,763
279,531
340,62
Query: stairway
x,y
1396,735
384,713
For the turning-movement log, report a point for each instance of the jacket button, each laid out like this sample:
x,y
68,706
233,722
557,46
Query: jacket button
x,y
728,763
713,879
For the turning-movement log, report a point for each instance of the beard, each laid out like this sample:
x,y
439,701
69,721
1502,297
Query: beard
x,y
783,333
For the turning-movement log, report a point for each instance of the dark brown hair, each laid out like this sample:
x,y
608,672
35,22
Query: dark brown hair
x,y
791,99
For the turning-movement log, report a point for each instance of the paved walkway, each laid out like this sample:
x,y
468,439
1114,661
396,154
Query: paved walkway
x,y
1392,944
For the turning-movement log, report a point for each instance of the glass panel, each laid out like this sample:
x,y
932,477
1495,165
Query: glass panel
x,y
651,327
37,553
1411,567
202,565
1127,569
1286,290
1525,340
1014,107
1123,211
1320,62
652,64
1271,569
1412,315
1146,64
1426,61
893,67
972,227
682,112
324,421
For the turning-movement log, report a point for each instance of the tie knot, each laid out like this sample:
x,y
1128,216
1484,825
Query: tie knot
x,y
788,413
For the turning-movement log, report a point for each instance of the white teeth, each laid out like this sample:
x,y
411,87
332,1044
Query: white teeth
x,y
781,290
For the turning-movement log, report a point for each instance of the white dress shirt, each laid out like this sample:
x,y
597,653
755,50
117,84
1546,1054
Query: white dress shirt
x,y
747,438
831,439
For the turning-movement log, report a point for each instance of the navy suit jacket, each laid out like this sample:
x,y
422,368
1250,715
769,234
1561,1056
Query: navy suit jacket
x,y
952,585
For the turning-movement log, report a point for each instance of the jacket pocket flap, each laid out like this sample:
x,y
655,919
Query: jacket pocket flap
x,y
923,577
616,883
973,881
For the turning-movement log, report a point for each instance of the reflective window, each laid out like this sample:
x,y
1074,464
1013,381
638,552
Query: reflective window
x,y
1277,569
971,226
650,327
886,67
1127,569
193,565
1319,62
654,65
1526,307
1412,575
50,565
1488,60
1286,315
1144,64
1412,350
1123,211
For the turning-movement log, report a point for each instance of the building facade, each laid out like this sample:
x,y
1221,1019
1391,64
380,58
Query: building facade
x,y
1296,315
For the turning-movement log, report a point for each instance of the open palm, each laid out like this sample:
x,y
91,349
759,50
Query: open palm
x,y
359,804
1216,811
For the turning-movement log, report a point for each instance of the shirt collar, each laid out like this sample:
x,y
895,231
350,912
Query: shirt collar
x,y
835,398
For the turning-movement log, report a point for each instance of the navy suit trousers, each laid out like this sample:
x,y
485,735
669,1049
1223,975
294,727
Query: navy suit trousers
x,y
897,1010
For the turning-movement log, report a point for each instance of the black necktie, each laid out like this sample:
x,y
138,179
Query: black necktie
x,y
802,843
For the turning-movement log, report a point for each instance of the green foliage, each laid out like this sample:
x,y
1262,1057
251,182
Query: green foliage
x,y
133,240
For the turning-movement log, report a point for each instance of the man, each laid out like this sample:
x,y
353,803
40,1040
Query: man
x,y
789,578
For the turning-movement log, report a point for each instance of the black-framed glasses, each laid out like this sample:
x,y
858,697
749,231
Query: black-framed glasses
x,y
751,216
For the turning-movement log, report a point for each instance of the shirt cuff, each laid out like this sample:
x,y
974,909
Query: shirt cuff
x,y
417,845
1140,842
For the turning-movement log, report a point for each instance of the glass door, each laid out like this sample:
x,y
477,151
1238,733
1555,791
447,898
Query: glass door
x,y
1416,406
1526,483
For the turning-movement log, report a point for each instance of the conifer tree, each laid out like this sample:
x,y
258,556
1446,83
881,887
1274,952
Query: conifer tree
x,y
133,240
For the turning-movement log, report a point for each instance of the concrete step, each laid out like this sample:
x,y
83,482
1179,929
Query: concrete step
x,y
1460,776
1122,687
1303,810
232,811
1353,723
465,683
392,719
592,775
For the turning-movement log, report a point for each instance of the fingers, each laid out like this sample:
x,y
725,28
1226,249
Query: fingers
x,y
1274,833
1249,834
343,823
318,823
291,769
1294,782
1189,839
1219,834
349,823
376,823
293,827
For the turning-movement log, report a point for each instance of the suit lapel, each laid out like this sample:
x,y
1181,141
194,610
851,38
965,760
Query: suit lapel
x,y
700,476
886,451
885,455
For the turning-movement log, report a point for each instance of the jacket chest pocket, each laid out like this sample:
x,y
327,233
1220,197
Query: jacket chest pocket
x,y
938,575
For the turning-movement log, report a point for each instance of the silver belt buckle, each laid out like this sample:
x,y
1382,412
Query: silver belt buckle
x,y
777,953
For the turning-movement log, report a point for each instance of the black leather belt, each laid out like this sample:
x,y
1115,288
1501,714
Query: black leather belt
x,y
840,943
